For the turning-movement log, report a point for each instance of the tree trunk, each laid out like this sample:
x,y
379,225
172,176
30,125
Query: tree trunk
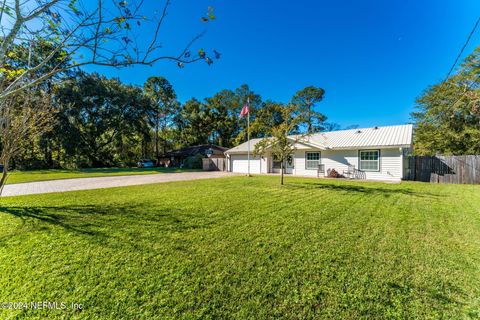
x,y
157,151
281,170
48,157
3,180
144,147
59,156
309,120
164,135
95,159
310,125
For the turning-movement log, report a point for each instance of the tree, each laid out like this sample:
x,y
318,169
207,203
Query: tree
x,y
332,126
447,119
22,116
98,115
104,33
163,98
193,121
306,100
19,59
224,109
280,143
268,116
27,114
246,95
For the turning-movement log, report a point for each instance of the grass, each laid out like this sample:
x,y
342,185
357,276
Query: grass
x,y
56,174
245,248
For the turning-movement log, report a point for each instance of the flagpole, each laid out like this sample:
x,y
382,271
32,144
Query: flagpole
x,y
248,134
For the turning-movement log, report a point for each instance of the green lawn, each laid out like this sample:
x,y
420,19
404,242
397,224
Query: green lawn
x,y
245,248
53,174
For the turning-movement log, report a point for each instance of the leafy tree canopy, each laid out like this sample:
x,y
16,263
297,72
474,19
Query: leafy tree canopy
x,y
97,115
306,101
447,119
278,141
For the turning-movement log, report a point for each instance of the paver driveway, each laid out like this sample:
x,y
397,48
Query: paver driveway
x,y
104,182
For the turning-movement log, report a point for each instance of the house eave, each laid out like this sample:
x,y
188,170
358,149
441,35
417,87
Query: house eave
x,y
326,148
390,146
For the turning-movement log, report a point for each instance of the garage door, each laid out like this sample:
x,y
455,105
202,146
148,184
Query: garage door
x,y
240,163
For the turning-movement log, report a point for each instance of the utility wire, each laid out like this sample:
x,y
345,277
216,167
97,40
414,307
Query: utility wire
x,y
469,87
463,49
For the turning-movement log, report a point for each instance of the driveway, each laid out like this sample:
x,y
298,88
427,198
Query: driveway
x,y
105,182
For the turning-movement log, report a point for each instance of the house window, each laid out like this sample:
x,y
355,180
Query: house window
x,y
369,160
312,160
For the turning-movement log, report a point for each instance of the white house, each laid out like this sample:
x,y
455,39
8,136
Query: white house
x,y
371,153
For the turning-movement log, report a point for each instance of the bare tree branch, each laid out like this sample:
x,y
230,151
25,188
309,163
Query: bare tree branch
x,y
106,40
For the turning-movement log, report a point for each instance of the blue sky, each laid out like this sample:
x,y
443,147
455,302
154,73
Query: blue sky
x,y
373,58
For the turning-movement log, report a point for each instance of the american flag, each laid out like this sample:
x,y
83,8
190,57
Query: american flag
x,y
245,111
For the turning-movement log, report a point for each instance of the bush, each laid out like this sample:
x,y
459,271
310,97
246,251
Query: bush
x,y
193,162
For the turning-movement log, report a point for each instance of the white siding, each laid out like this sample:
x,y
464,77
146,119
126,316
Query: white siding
x,y
390,163
300,166
390,166
339,159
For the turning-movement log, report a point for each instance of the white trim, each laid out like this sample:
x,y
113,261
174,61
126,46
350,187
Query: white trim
x,y
319,160
370,161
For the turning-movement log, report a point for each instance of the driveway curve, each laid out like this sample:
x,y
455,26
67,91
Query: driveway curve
x,y
105,182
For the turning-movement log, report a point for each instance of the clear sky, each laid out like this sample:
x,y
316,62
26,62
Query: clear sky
x,y
373,58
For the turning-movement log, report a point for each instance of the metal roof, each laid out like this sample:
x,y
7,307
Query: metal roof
x,y
385,136
244,146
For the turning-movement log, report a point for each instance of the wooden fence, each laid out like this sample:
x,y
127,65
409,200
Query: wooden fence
x,y
214,164
443,169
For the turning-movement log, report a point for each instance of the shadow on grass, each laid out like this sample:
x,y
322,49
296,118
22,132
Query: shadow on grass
x,y
57,216
351,188
102,222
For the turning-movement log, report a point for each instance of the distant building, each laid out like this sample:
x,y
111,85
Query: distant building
x,y
176,158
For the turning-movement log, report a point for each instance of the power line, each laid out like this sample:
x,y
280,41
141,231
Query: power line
x,y
463,49
469,87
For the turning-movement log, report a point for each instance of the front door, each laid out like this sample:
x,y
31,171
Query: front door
x,y
289,165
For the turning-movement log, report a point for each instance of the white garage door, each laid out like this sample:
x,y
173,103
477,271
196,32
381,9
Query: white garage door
x,y
240,163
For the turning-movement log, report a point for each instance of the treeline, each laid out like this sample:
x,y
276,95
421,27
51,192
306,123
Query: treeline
x,y
97,122
77,119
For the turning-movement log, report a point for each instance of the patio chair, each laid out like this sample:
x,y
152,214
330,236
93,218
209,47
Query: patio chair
x,y
321,170
350,172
